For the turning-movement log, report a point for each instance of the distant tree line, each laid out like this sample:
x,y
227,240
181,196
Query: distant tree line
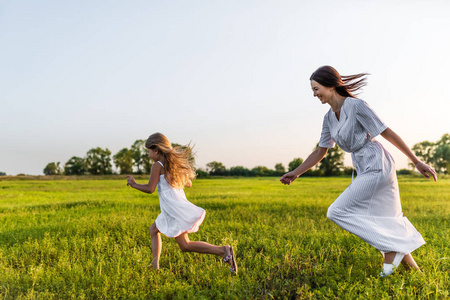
x,y
98,161
331,165
135,160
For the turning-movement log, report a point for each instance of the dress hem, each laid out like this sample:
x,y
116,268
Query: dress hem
x,y
200,219
405,252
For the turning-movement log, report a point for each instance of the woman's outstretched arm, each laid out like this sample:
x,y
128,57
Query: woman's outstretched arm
x,y
397,141
312,160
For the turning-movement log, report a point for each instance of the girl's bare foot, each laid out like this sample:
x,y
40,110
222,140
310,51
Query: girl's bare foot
x,y
155,264
226,251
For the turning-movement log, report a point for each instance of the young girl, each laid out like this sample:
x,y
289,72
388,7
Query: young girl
x,y
172,171
370,207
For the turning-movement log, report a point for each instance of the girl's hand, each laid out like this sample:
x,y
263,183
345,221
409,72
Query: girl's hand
x,y
425,169
288,178
130,181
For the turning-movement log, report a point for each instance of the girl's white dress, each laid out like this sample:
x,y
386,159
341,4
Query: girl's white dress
x,y
370,207
178,215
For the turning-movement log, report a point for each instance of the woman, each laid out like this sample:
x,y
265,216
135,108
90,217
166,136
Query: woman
x,y
370,207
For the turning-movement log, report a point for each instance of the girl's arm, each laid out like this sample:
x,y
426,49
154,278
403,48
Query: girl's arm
x,y
397,141
312,160
152,182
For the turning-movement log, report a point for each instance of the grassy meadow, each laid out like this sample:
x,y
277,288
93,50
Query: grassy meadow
x,y
90,239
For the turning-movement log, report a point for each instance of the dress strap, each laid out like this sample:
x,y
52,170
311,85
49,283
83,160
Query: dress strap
x,y
160,163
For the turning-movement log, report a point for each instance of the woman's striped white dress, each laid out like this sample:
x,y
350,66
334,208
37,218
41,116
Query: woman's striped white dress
x,y
370,207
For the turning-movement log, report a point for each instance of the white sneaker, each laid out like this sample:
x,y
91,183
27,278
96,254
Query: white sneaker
x,y
388,269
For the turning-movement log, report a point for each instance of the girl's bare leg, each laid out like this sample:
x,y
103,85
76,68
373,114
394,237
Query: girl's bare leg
x,y
201,247
156,245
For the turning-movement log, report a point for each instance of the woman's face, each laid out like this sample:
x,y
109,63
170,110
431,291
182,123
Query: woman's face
x,y
322,92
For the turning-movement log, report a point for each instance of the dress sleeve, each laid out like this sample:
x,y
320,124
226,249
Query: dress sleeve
x,y
369,120
325,139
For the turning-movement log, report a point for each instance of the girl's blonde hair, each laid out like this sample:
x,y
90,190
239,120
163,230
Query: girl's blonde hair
x,y
178,162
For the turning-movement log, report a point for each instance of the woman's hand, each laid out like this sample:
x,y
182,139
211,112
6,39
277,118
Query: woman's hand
x,y
397,141
130,181
288,178
425,169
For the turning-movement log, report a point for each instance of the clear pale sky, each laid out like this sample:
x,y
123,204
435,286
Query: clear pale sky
x,y
230,76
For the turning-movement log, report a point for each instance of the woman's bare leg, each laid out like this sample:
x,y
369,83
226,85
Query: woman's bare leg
x,y
156,245
389,257
408,261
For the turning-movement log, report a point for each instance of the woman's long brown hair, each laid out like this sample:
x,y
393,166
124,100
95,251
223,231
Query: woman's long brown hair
x,y
344,85
178,162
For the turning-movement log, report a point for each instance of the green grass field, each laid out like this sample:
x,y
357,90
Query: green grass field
x,y
89,239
